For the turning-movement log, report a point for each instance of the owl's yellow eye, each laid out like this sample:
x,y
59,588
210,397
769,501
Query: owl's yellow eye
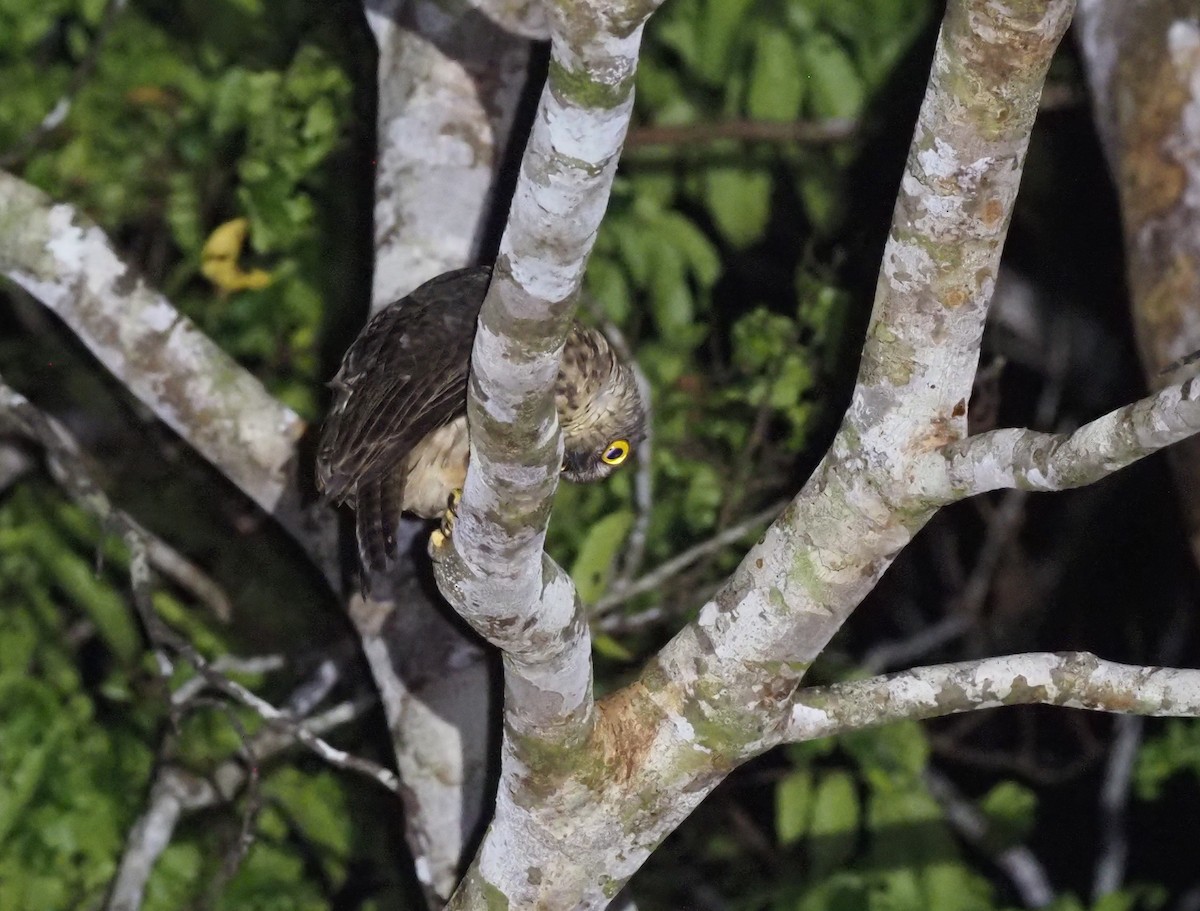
x,y
616,453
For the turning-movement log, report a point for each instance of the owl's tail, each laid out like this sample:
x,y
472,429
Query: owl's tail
x,y
377,514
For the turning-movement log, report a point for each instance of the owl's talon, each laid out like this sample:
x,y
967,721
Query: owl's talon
x,y
440,537
450,514
437,541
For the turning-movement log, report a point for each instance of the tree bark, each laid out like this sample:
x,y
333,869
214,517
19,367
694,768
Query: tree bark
x,y
1143,65
586,791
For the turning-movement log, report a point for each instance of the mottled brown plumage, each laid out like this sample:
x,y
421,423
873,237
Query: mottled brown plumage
x,y
395,439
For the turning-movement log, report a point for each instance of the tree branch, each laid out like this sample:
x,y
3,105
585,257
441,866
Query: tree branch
x,y
495,573
71,470
69,265
1019,864
1043,461
1074,679
570,775
670,568
176,792
450,81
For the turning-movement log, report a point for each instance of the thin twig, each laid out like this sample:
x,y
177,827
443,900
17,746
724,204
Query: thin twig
x,y
225,664
1114,798
160,632
1019,864
237,851
677,564
634,552
795,132
1113,852
805,132
176,791
71,470
189,577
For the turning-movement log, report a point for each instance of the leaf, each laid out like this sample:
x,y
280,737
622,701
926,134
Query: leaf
x,y
606,282
718,28
316,805
21,784
913,811
671,302
793,805
77,579
219,259
703,497
834,829
950,886
606,645
1012,809
891,757
596,555
698,253
835,88
739,200
776,88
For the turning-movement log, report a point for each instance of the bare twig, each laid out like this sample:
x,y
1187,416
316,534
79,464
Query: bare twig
x,y
1114,798
801,132
1057,96
176,792
189,577
71,470
160,632
1113,853
14,463
259,664
1030,460
1019,863
677,564
236,852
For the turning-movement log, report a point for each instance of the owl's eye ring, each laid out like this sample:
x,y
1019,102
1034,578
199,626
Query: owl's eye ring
x,y
617,452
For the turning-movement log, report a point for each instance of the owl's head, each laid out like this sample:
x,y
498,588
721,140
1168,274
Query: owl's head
x,y
600,408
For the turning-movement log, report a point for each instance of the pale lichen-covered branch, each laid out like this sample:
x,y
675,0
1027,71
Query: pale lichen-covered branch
x,y
717,693
1030,460
1143,65
1073,679
68,264
496,574
450,79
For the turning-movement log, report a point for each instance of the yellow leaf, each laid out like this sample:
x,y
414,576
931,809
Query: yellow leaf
x,y
219,259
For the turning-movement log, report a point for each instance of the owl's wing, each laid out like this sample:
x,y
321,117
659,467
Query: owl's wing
x,y
404,376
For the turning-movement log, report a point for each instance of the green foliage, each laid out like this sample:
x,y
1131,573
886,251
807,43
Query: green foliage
x,y
65,774
1011,810
175,133
598,552
1175,751
196,112
775,60
737,380
80,710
